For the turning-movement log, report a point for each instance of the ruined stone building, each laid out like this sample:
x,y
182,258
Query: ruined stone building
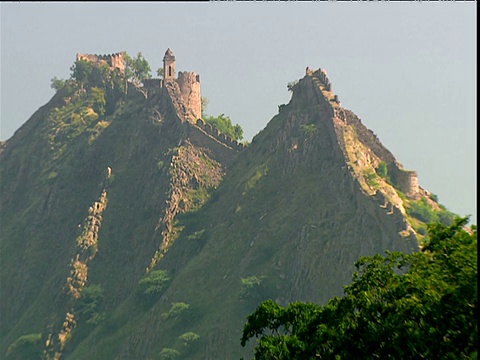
x,y
114,61
183,90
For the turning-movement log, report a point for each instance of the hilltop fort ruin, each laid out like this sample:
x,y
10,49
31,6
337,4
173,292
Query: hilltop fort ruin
x,y
183,92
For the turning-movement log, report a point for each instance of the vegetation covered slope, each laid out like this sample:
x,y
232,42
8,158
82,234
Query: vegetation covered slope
x,y
287,223
90,188
401,306
109,249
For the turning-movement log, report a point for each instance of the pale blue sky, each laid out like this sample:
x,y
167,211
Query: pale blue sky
x,y
408,70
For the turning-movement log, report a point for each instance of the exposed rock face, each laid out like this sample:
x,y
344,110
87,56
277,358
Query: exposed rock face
x,y
56,251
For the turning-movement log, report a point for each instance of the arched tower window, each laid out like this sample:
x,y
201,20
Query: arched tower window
x,y
169,71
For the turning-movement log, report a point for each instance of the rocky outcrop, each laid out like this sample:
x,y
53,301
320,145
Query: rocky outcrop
x,y
86,249
193,173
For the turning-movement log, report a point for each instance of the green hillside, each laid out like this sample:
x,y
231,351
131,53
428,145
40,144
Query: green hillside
x,y
129,232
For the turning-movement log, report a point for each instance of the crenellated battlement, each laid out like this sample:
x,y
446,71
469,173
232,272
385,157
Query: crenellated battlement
x,y
320,74
115,61
225,139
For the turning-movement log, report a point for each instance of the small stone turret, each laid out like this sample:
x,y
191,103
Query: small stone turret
x,y
169,65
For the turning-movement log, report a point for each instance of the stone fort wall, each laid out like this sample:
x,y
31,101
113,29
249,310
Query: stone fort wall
x,y
189,83
404,180
189,90
116,61
183,94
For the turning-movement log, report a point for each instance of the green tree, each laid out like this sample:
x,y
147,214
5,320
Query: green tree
x,y
153,283
98,100
137,69
169,354
382,170
57,84
161,72
189,338
176,310
399,306
91,300
82,71
225,126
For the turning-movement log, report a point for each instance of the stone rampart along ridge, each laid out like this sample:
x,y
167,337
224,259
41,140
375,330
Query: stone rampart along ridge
x,y
321,74
404,180
321,79
227,140
115,61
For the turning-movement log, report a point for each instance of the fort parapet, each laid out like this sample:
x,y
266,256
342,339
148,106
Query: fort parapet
x,y
318,81
114,61
225,139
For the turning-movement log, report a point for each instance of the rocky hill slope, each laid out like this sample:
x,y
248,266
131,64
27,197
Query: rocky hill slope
x,y
140,233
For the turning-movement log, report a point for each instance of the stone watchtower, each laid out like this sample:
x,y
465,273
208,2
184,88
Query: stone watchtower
x,y
188,85
169,65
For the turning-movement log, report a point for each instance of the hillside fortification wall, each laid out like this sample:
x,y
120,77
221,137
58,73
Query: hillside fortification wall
x,y
115,61
404,180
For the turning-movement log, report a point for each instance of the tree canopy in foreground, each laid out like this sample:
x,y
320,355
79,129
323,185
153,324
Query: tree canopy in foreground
x,y
399,306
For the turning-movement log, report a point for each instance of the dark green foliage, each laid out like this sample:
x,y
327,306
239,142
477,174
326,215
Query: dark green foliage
x,y
161,72
178,309
309,130
82,71
371,178
98,100
188,338
169,354
153,283
26,347
89,305
400,306
225,126
423,211
382,170
57,84
137,69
